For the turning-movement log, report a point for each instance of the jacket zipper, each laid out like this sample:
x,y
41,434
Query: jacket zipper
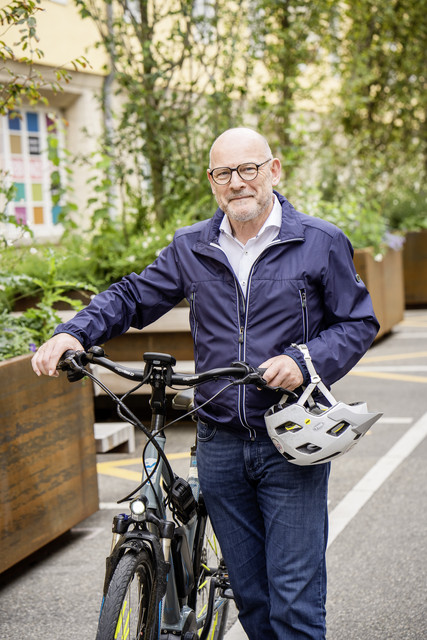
x,y
241,389
303,297
242,336
242,328
241,341
196,324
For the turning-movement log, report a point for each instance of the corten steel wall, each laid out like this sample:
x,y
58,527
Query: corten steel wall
x,y
48,480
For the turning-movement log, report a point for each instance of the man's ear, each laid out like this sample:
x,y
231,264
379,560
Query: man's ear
x,y
276,171
211,181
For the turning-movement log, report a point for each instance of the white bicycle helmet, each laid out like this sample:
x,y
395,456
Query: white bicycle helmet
x,y
307,432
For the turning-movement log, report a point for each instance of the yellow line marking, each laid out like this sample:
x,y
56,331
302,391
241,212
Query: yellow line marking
x,y
113,467
389,376
128,462
105,469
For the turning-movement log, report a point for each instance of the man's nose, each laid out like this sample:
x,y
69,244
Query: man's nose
x,y
236,180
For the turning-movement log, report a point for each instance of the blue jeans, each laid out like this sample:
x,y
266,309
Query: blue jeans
x,y
270,518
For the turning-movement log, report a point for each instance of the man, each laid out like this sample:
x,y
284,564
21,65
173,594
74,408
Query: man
x,y
259,277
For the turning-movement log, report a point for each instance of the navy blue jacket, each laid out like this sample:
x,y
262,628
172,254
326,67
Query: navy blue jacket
x,y
302,288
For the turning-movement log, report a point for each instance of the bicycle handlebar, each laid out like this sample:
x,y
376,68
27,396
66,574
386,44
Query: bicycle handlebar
x,y
74,362
159,373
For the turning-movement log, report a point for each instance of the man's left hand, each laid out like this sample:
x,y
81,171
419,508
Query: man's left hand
x,y
282,371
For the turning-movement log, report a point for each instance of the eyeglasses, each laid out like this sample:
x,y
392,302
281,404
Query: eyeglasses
x,y
247,171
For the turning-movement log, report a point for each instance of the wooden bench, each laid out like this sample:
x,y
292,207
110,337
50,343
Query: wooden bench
x,y
109,435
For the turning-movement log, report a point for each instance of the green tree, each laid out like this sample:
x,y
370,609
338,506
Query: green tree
x,y
177,83
382,64
380,58
290,37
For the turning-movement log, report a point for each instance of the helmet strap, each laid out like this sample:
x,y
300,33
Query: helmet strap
x,y
315,379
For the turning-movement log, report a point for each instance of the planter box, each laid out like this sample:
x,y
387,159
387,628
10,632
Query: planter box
x,y
169,334
83,296
415,268
48,478
384,281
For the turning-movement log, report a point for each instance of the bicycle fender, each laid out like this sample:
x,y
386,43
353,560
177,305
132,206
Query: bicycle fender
x,y
137,541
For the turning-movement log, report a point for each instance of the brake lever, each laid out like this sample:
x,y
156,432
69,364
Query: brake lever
x,y
254,376
263,384
71,362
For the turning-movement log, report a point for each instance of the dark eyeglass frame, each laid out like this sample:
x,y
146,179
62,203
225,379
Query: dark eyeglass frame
x,y
243,164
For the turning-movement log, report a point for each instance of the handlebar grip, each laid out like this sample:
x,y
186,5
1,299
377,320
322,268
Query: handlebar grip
x,y
260,370
64,364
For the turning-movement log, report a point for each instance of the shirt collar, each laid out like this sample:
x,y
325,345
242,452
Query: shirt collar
x,y
273,220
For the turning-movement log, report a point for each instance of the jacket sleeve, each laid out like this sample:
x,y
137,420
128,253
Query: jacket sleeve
x,y
349,326
137,301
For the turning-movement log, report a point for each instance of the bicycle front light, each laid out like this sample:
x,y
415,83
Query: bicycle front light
x,y
137,508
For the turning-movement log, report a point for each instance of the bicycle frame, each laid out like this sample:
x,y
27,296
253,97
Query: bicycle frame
x,y
174,617
173,548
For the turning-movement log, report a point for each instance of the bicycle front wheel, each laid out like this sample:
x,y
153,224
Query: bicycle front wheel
x,y
127,611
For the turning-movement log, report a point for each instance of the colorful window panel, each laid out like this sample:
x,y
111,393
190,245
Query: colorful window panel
x,y
25,158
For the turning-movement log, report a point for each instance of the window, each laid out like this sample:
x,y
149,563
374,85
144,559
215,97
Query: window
x,y
24,159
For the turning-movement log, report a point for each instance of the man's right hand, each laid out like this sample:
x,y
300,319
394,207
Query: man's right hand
x,y
47,356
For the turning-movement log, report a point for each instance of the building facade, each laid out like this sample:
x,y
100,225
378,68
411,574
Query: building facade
x,y
33,138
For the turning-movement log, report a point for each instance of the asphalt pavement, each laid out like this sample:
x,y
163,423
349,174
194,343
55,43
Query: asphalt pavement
x,y
377,554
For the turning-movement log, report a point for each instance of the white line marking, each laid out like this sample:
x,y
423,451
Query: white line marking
x,y
349,506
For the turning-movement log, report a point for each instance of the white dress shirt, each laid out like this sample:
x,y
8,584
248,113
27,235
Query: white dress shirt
x,y
242,256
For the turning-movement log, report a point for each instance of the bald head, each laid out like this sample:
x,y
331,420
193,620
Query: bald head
x,y
246,202
240,137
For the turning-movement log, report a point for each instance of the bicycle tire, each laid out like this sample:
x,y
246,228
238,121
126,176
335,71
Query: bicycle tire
x,y
127,608
209,564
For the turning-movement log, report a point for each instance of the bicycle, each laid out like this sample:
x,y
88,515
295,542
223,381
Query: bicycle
x,y
165,577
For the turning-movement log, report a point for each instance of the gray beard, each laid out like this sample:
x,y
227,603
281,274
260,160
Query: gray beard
x,y
251,214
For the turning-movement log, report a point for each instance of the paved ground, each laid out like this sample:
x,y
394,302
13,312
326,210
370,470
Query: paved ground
x,y
377,557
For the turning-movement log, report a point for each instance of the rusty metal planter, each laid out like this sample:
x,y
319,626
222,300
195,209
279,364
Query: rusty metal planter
x,y
384,280
48,479
415,268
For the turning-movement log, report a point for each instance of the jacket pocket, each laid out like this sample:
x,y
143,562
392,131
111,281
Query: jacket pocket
x,y
205,432
304,312
195,323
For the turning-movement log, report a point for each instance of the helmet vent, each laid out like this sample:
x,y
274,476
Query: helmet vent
x,y
287,456
287,427
339,429
309,448
332,455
